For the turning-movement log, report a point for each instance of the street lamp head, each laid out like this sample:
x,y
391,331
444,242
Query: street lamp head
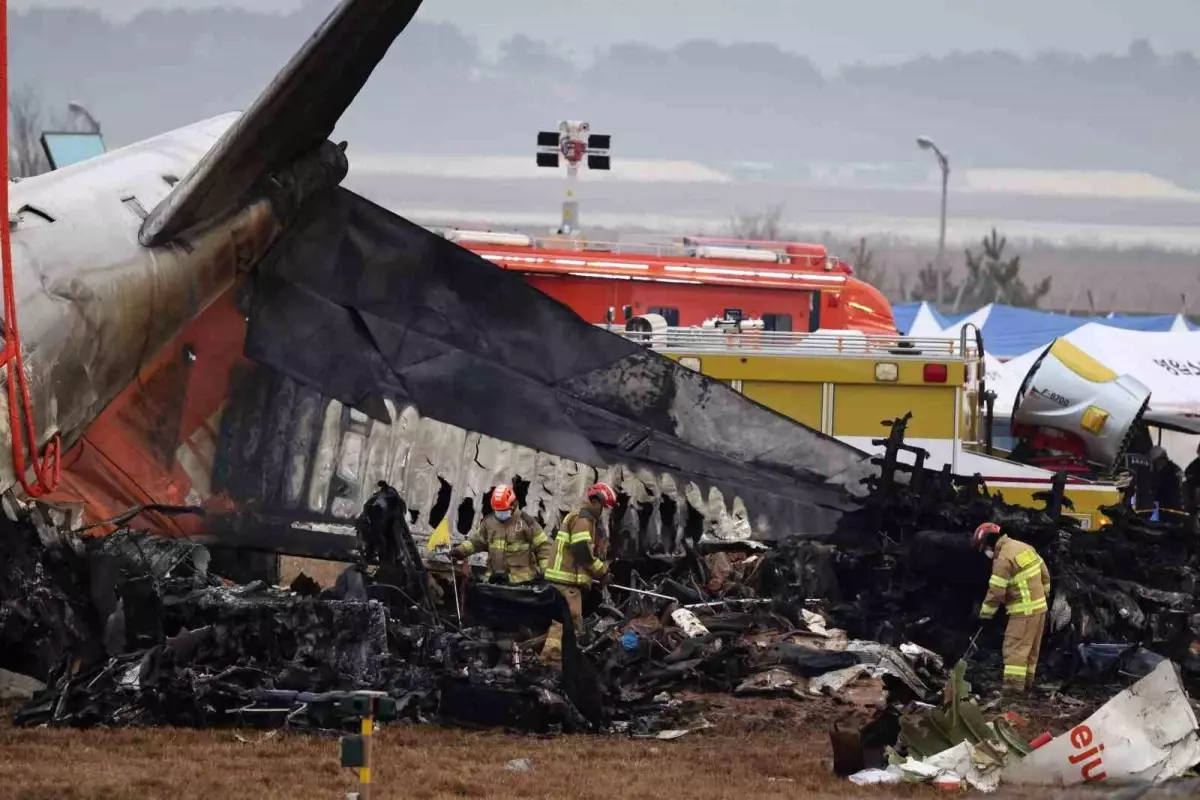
x,y
77,109
925,143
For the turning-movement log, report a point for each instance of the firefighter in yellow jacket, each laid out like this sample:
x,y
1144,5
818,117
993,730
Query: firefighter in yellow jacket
x,y
517,547
1021,583
575,564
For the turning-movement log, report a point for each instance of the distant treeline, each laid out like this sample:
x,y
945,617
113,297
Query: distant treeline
x,y
701,100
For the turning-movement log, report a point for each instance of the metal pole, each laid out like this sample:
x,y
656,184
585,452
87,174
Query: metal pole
x,y
642,591
941,255
364,773
925,143
457,606
570,208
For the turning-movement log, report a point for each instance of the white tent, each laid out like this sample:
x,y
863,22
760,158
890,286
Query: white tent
x,y
976,318
1168,362
925,323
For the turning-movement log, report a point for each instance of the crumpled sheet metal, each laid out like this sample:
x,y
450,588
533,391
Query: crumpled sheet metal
x,y
958,721
208,671
45,612
367,307
1147,734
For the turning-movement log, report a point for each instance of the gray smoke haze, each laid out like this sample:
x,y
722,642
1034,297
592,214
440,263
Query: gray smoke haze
x,y
1069,84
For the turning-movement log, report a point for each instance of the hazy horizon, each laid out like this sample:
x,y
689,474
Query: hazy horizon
x,y
832,34
813,106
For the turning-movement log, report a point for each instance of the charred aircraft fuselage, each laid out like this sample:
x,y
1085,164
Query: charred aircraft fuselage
x,y
115,258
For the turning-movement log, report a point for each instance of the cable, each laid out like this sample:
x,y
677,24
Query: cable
x,y
47,468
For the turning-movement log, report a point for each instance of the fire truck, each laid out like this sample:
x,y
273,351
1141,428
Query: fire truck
x,y
847,383
789,286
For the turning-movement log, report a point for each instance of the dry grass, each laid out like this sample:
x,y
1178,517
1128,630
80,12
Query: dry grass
x,y
759,748
763,749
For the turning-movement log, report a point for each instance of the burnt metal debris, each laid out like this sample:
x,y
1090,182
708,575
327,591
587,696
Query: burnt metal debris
x,y
129,629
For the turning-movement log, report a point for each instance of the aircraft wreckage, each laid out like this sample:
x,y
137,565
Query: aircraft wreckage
x,y
208,319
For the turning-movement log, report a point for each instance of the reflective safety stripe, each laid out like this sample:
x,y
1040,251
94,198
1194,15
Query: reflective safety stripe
x,y
998,582
1025,575
508,547
598,567
987,610
1014,671
576,538
562,541
540,538
1030,564
1028,608
1026,597
570,578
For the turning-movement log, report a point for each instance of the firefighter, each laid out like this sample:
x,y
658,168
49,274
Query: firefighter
x,y
575,563
1021,583
517,547
1191,484
1166,481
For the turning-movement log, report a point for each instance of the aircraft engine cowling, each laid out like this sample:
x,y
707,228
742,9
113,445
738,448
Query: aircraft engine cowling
x,y
1067,390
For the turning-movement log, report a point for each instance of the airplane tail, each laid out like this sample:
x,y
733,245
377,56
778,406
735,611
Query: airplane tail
x,y
293,116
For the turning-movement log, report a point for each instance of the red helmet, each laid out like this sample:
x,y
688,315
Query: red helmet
x,y
980,539
503,498
604,493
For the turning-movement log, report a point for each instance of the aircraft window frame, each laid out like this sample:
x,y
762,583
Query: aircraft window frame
x,y
41,214
131,202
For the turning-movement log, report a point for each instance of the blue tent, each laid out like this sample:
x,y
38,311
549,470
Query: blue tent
x,y
904,314
1009,332
1143,322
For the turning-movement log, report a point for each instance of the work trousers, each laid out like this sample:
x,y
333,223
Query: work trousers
x,y
552,649
1022,646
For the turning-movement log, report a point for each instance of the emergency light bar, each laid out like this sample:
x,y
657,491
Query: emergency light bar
x,y
574,141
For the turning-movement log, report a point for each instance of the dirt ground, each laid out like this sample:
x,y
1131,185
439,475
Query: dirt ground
x,y
757,748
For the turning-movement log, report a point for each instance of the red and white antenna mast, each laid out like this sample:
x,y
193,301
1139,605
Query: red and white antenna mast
x,y
574,142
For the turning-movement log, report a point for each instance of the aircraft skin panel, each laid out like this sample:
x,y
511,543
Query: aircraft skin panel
x,y
94,304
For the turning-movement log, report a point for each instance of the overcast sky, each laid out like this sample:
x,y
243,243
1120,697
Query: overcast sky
x,y
831,31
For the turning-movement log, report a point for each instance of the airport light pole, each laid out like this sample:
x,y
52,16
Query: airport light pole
x,y
925,143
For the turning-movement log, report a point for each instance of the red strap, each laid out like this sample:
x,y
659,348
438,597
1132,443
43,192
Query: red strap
x,y
47,469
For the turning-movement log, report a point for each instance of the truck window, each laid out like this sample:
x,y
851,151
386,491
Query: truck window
x,y
671,315
777,322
